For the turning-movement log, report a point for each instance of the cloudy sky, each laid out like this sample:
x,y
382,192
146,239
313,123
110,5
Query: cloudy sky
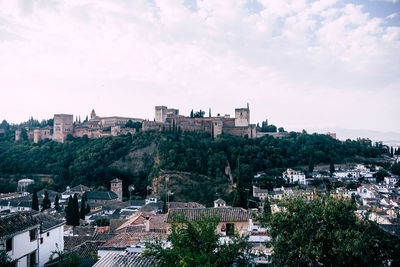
x,y
301,64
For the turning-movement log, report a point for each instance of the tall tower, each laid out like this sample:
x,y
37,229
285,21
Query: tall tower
x,y
161,113
116,187
93,114
63,125
242,116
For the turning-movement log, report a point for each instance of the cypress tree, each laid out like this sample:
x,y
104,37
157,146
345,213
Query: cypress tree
x,y
311,164
68,212
331,167
87,208
35,202
191,114
209,112
391,151
240,196
57,203
75,211
82,211
266,214
46,203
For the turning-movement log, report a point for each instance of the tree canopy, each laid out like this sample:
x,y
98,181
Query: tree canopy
x,y
196,243
326,231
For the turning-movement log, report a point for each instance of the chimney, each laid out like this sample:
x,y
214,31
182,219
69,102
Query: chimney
x,y
147,222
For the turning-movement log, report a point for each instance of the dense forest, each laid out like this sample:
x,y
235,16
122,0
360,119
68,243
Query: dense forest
x,y
91,161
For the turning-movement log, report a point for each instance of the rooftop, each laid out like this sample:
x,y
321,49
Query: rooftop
x,y
225,214
125,259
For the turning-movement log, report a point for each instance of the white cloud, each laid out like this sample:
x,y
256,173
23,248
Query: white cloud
x,y
301,64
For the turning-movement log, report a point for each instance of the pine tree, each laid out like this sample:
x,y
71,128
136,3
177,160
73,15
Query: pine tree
x,y
46,203
57,203
35,202
240,196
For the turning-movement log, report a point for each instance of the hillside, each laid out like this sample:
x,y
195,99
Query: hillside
x,y
137,159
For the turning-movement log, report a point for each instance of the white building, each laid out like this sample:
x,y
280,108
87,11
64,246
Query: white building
x,y
390,180
30,237
24,183
367,191
292,176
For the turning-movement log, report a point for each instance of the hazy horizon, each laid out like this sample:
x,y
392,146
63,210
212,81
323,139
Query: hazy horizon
x,y
299,64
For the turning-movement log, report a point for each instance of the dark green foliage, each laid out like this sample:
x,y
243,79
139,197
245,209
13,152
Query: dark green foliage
x,y
136,125
81,160
75,211
196,243
395,169
331,167
380,175
327,232
57,203
5,260
72,211
266,212
83,209
102,222
46,204
240,199
35,202
311,164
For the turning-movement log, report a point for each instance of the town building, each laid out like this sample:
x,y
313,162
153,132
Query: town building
x,y
30,237
291,176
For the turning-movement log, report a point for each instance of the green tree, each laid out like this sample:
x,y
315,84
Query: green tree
x,y
395,169
196,243
5,260
380,175
192,114
69,212
75,210
240,195
266,212
57,203
46,203
82,211
35,201
331,167
311,164
327,232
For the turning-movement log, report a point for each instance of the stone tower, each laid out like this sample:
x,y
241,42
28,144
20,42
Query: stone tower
x,y
242,116
116,187
93,114
63,125
161,113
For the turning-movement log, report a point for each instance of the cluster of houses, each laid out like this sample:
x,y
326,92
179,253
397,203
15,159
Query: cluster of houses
x,y
114,232
32,238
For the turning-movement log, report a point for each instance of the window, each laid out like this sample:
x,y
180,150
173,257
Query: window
x,y
9,244
33,234
48,233
41,240
32,259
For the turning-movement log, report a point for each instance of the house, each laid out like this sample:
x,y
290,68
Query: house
x,y
231,219
260,193
101,196
126,259
390,180
367,191
219,203
30,237
79,189
151,199
292,176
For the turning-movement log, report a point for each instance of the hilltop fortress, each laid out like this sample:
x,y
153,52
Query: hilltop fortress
x,y
165,119
95,127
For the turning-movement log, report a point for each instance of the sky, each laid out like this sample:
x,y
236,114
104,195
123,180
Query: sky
x,y
300,64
